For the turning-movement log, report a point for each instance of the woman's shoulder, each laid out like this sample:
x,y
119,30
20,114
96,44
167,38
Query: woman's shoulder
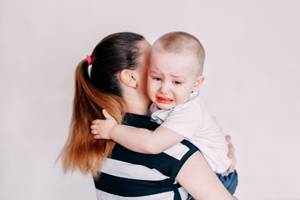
x,y
139,121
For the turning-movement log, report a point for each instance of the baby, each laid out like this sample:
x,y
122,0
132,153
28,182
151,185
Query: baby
x,y
174,82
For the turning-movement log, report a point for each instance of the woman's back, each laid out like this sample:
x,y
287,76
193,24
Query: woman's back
x,y
128,175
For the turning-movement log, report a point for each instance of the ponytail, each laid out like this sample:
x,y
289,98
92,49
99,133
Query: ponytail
x,y
82,151
101,90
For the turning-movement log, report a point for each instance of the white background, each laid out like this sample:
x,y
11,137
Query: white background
x,y
252,85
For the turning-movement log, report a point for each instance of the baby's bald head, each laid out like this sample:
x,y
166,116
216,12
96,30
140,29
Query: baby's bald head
x,y
181,42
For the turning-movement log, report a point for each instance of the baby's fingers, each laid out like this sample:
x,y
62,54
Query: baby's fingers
x,y
97,136
95,132
94,127
96,121
106,114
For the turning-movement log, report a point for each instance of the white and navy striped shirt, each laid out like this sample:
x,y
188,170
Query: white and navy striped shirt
x,y
131,175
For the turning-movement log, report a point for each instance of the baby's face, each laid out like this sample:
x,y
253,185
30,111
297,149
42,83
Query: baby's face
x,y
171,78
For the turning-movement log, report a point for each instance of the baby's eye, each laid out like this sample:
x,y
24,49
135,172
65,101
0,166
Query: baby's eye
x,y
177,82
156,78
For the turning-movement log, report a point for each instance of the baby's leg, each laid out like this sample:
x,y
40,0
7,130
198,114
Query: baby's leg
x,y
230,181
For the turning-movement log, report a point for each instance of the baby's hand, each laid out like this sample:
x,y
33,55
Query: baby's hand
x,y
101,128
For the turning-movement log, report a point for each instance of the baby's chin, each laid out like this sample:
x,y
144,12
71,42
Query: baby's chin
x,y
163,106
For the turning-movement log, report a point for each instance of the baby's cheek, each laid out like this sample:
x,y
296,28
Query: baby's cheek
x,y
151,93
152,85
149,87
182,98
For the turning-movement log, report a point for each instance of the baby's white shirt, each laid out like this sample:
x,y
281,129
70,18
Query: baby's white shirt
x,y
193,121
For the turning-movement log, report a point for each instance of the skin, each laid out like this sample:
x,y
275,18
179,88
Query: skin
x,y
132,82
172,77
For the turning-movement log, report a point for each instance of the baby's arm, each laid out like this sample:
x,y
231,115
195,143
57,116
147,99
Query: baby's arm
x,y
136,139
143,140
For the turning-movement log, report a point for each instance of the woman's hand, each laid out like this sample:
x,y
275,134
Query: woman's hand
x,y
231,154
102,128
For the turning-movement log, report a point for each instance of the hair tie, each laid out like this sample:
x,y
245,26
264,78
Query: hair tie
x,y
89,60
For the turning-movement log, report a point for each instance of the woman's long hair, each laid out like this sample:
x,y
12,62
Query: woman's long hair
x,y
94,92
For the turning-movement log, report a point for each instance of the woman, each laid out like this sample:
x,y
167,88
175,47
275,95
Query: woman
x,y
117,84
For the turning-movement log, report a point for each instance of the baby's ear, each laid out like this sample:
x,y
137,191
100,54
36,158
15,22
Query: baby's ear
x,y
198,83
128,77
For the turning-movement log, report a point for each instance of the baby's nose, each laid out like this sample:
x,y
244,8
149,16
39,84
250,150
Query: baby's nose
x,y
164,88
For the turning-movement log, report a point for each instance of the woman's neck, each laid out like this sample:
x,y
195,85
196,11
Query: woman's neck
x,y
136,104
136,109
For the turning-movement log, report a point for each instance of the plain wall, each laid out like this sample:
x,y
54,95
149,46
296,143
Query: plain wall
x,y
252,85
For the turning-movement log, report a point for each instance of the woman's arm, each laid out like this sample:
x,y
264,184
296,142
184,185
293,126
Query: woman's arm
x,y
200,181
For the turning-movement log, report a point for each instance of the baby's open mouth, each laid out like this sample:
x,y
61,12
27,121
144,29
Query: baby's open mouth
x,y
164,100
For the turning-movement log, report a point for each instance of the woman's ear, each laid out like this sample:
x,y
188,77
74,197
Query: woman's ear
x,y
129,78
198,83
